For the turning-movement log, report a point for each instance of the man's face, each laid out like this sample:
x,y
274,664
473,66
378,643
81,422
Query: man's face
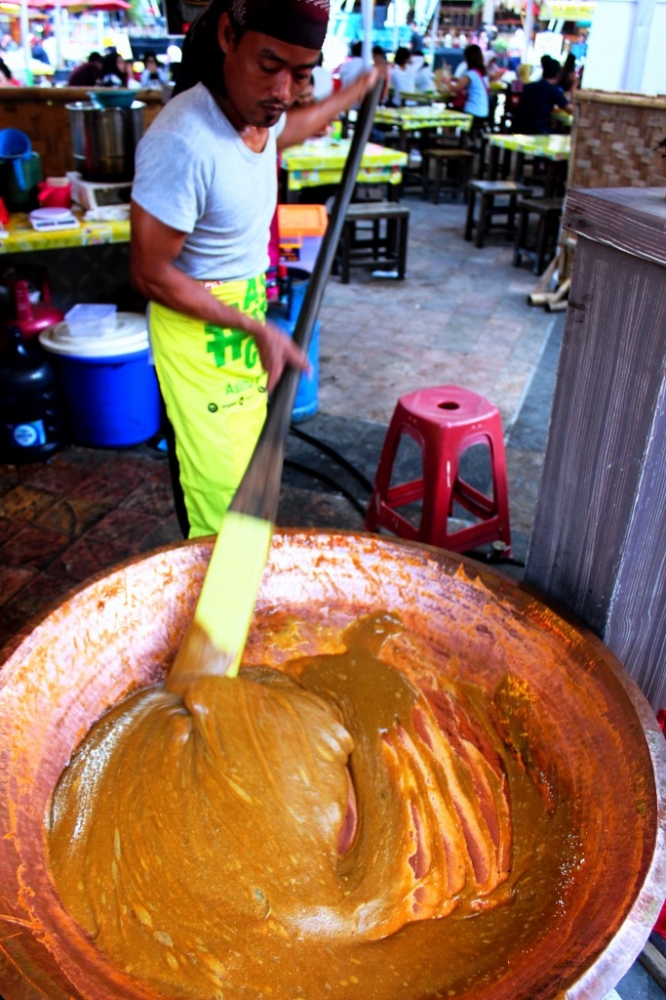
x,y
263,76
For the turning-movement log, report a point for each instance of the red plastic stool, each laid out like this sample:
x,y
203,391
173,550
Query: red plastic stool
x,y
444,422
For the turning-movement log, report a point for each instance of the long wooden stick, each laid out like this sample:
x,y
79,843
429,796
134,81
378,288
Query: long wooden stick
x,y
259,491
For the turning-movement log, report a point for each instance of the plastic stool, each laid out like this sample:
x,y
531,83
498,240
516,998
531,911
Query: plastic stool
x,y
444,422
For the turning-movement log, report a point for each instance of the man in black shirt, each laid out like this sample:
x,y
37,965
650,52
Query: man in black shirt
x,y
532,116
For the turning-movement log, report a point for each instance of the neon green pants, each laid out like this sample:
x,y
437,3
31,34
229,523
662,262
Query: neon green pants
x,y
214,388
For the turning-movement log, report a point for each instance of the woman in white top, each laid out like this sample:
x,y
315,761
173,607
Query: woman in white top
x,y
402,75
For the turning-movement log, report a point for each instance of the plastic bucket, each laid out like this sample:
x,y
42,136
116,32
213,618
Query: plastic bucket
x,y
110,387
285,316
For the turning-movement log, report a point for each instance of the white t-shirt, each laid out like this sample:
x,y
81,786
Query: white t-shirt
x,y
402,79
194,173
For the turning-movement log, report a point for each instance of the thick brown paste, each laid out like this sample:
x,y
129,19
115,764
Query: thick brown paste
x,y
295,833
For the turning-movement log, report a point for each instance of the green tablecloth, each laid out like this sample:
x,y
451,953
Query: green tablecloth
x,y
411,119
22,238
551,147
320,162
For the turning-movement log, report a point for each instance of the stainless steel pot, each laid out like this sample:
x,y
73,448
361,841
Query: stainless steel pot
x,y
104,139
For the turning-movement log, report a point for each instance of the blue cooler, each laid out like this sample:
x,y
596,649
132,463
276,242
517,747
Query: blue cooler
x,y
285,315
110,387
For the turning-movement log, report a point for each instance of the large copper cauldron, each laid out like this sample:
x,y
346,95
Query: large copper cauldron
x,y
121,631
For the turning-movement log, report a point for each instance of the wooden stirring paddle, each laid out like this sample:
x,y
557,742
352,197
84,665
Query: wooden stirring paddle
x,y
213,643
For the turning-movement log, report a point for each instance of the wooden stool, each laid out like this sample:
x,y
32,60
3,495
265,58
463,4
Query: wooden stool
x,y
549,211
382,246
444,422
444,160
489,191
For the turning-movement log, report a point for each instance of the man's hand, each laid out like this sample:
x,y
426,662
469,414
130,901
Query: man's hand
x,y
277,350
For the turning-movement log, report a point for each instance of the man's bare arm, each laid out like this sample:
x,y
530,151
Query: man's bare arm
x,y
307,121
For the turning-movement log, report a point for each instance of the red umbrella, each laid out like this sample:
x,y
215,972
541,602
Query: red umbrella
x,y
108,5
102,4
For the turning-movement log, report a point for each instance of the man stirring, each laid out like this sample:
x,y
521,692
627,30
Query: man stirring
x,y
204,193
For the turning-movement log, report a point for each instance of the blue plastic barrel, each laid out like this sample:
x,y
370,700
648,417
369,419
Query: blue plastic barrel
x,y
110,388
285,315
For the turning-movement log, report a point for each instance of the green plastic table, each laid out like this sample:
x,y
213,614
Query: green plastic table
x,y
22,238
554,149
320,162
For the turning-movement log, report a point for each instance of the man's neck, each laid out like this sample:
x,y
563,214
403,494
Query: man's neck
x,y
254,137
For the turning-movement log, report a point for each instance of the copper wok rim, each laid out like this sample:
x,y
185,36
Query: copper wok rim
x,y
618,953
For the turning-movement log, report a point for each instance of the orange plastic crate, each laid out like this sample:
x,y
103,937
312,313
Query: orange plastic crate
x,y
302,220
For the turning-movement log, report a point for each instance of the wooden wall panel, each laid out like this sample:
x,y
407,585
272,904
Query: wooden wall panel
x,y
599,533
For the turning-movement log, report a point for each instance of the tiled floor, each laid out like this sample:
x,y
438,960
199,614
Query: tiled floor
x,y
461,317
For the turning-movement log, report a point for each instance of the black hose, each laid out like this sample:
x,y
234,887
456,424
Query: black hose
x,y
326,449
327,481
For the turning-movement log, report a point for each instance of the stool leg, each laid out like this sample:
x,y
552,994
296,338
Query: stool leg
x,y
438,181
402,250
392,236
347,230
465,176
511,214
471,198
482,225
494,163
521,238
541,244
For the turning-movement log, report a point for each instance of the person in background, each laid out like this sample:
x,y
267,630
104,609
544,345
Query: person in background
x,y
37,51
322,80
50,43
423,80
516,87
352,68
416,42
532,115
569,77
473,83
88,74
379,61
114,69
579,47
204,194
6,78
154,76
402,75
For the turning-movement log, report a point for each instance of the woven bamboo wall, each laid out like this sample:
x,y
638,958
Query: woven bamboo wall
x,y
42,114
614,141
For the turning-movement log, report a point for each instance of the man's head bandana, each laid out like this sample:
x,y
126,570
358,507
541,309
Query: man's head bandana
x,y
297,22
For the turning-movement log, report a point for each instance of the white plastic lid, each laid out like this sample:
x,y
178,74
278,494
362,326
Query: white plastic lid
x,y
129,337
